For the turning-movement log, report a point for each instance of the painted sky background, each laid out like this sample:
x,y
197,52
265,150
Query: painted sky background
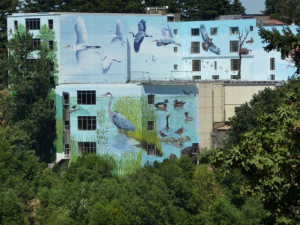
x,y
253,6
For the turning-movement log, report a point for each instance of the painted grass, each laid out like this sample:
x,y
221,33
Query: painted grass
x,y
59,136
128,162
138,112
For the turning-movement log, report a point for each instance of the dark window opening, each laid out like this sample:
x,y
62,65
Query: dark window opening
x,y
213,31
16,25
86,97
215,77
235,64
272,77
50,24
52,66
88,147
234,46
67,125
175,49
175,66
150,99
195,148
66,98
195,47
251,28
195,31
151,125
216,65
196,65
67,149
151,149
196,77
234,77
175,31
272,63
234,30
33,24
36,43
87,123
51,45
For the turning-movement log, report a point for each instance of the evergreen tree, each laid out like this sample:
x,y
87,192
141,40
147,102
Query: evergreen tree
x,y
237,8
270,6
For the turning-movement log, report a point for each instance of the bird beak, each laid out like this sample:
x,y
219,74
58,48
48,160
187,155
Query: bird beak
x,y
67,46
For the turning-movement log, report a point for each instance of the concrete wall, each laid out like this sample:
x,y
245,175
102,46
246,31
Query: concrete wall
x,y
217,102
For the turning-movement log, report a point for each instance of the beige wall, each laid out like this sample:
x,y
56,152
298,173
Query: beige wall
x,y
217,102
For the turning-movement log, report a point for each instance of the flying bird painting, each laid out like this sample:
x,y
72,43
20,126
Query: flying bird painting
x,y
167,39
250,41
120,121
208,44
107,62
117,36
139,37
81,46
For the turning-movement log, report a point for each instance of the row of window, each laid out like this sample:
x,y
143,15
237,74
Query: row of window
x,y
91,147
36,43
33,24
214,30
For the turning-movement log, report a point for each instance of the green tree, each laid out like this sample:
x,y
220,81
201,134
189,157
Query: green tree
x,y
237,7
286,42
288,11
41,5
270,6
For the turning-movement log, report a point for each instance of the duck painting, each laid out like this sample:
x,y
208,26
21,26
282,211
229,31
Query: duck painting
x,y
162,105
178,103
180,130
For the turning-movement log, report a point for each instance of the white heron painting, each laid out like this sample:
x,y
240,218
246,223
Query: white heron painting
x,y
107,62
167,39
82,47
117,36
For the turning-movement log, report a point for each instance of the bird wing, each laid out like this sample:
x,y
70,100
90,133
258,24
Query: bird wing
x,y
142,25
167,33
214,49
81,31
121,122
106,64
118,28
137,42
203,33
81,57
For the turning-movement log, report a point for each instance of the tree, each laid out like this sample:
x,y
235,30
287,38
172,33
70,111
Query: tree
x,y
287,43
268,156
270,6
237,8
242,51
30,101
41,5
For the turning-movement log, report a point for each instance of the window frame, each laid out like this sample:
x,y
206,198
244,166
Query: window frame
x,y
86,122
234,64
234,30
234,77
151,149
194,67
33,24
16,25
272,63
195,47
36,43
88,147
175,49
195,31
82,97
151,99
214,31
215,77
51,45
234,46
50,24
272,76
151,125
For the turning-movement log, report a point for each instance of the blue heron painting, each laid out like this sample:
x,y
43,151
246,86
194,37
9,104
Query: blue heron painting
x,y
208,44
167,38
139,37
120,121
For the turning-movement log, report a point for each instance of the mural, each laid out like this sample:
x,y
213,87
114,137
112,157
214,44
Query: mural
x,y
208,44
167,38
140,35
127,126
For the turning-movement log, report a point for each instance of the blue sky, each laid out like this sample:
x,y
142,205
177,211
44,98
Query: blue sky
x,y
253,6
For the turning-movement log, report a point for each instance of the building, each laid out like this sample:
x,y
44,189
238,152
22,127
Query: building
x,y
171,82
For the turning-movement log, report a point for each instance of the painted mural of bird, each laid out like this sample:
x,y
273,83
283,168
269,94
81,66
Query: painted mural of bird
x,y
81,45
187,117
178,103
167,39
153,59
162,134
250,41
139,37
186,93
180,130
167,121
208,44
244,51
120,121
162,105
107,61
118,35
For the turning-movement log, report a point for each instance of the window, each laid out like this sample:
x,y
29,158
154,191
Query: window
x,y
50,24
86,97
175,31
195,47
196,77
150,99
175,49
234,30
33,24
36,43
272,77
234,46
16,25
151,125
67,125
86,122
272,63
195,148
151,149
175,66
234,77
51,45
88,147
215,77
67,149
195,31
216,65
170,18
235,64
66,98
213,31
251,28
196,64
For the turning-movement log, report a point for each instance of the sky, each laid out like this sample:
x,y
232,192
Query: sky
x,y
253,6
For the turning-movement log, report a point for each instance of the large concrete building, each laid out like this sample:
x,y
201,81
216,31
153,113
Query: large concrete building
x,y
142,87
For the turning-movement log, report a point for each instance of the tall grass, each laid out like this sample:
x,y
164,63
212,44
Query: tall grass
x,y
138,112
59,136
